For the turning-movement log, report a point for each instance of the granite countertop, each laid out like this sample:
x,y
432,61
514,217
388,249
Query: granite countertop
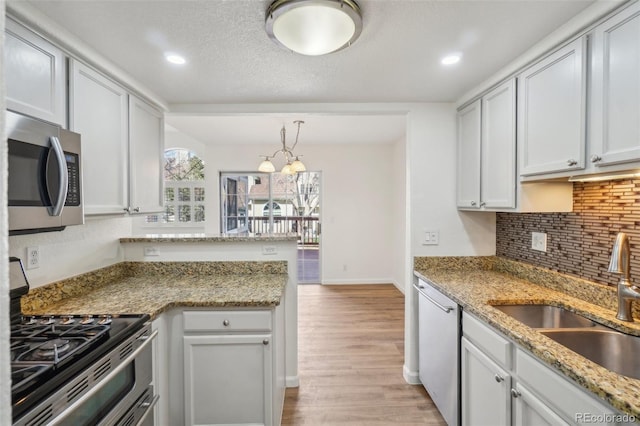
x,y
208,238
154,287
477,283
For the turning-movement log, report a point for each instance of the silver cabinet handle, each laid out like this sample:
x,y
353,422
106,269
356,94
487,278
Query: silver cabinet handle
x,y
595,158
572,162
473,203
265,342
515,393
498,378
482,204
127,209
137,210
225,323
63,177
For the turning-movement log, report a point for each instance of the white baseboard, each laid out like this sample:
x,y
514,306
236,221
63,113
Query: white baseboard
x,y
292,381
410,377
356,281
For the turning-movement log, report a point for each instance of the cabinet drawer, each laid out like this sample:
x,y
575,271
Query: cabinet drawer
x,y
565,398
227,320
486,339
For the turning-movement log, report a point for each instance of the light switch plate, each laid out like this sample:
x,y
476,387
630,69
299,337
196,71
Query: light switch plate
x,y
539,241
431,237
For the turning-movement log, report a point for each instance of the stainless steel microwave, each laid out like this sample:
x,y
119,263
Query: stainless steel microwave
x,y
45,176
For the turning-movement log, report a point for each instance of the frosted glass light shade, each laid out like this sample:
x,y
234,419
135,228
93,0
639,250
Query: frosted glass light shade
x,y
288,170
314,27
298,166
266,166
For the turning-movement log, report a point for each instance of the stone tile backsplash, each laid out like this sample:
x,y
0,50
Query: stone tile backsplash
x,y
578,243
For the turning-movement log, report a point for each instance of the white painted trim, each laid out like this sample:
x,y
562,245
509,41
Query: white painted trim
x,y
410,377
292,381
357,281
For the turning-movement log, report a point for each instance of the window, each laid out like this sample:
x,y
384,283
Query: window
x,y
274,207
184,190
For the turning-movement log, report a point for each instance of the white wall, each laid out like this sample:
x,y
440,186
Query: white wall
x,y
400,213
358,200
76,250
431,151
5,378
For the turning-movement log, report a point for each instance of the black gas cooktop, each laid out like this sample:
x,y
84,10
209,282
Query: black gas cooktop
x,y
49,350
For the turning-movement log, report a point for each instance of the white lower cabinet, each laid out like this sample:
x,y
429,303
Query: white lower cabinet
x,y
502,384
486,398
221,367
227,379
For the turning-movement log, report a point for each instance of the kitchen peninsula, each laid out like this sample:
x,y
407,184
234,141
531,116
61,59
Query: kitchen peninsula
x,y
216,322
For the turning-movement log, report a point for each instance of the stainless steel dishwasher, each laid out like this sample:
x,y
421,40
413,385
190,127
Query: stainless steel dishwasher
x,y
439,350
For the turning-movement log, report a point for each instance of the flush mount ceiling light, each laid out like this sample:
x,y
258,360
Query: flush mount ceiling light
x,y
293,164
314,27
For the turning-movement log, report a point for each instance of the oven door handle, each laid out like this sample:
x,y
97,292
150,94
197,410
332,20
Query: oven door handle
x,y
149,406
146,340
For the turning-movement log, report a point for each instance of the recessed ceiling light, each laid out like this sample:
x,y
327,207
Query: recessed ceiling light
x,y
175,59
451,59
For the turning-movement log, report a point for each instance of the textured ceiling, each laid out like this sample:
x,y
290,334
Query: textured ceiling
x,y
231,60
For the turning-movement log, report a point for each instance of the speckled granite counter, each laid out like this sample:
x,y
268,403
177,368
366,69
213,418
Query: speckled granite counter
x,y
475,283
154,287
207,238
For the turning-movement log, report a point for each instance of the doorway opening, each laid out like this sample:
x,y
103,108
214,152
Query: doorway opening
x,y
275,203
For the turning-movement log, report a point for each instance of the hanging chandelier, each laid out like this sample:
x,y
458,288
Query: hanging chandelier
x,y
314,27
293,164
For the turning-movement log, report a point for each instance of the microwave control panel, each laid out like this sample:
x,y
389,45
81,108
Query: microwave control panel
x,y
73,171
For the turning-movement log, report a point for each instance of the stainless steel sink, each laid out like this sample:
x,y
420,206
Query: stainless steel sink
x,y
611,349
546,316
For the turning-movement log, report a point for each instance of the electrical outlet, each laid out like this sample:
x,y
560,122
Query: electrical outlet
x,y
33,257
539,241
151,251
431,238
269,250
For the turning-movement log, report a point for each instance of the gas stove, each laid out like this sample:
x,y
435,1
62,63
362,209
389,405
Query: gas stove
x,y
51,352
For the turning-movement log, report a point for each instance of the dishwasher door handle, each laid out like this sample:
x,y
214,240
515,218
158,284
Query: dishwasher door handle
x,y
446,309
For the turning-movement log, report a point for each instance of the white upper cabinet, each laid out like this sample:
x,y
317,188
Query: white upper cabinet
x,y
615,85
99,112
146,147
551,112
469,134
498,166
35,75
487,151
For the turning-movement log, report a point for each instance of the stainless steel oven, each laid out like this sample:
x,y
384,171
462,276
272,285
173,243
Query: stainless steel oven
x,y
115,389
79,370
44,186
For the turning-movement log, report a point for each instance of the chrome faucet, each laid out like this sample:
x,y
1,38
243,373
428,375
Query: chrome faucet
x,y
620,263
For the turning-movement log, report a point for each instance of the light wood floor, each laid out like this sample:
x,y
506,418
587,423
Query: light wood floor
x,y
351,352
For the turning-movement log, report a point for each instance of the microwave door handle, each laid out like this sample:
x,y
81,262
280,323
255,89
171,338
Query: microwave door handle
x,y
63,177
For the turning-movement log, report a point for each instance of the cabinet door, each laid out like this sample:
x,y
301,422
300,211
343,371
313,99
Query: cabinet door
x,y
227,380
35,75
615,106
99,112
486,399
146,149
531,411
551,112
468,172
498,165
